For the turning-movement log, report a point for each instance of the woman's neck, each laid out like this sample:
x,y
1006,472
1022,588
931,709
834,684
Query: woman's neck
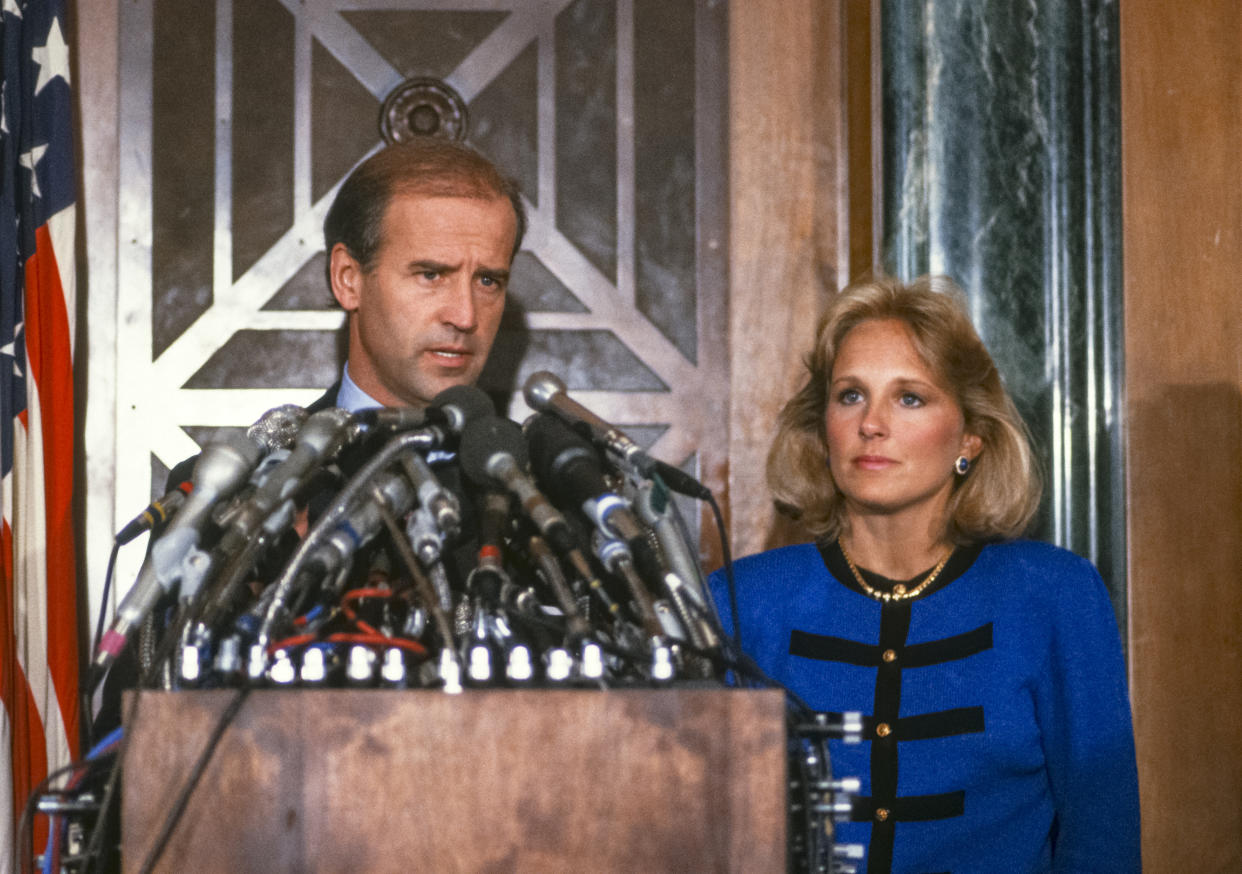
x,y
894,550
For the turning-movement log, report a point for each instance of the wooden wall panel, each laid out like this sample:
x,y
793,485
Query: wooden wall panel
x,y
788,180
1182,144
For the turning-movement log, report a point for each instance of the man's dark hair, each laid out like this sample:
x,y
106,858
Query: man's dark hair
x,y
426,167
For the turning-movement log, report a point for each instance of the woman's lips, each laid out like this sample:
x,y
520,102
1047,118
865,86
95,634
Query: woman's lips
x,y
873,462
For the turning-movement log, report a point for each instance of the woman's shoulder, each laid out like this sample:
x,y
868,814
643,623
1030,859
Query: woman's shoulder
x,y
1037,557
770,583
1034,568
800,558
789,564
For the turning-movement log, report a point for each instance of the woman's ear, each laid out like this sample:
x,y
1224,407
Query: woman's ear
x,y
972,445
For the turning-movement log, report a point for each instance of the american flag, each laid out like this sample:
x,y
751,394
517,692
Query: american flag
x,y
38,602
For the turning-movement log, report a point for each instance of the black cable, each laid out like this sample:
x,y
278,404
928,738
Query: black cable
x,y
196,774
103,601
95,849
25,828
88,720
727,555
742,664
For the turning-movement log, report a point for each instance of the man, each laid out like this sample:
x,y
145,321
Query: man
x,y
420,240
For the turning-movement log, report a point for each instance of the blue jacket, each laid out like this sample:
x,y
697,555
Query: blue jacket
x,y
997,733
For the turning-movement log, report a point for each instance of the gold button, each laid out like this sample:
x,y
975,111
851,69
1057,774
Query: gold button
x,y
883,729
881,814
899,589
890,655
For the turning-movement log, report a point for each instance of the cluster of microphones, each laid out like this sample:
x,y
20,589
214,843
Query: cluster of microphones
x,y
327,549
445,548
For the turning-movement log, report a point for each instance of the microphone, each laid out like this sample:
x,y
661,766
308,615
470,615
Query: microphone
x,y
275,429
320,437
490,573
283,588
157,513
221,469
363,521
493,454
453,408
544,391
569,468
438,503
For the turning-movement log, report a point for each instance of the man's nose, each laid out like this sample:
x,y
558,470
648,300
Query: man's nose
x,y
458,308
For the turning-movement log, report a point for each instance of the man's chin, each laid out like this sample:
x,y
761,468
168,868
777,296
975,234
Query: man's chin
x,y
425,393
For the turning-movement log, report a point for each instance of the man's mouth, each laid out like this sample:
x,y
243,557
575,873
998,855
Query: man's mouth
x,y
450,354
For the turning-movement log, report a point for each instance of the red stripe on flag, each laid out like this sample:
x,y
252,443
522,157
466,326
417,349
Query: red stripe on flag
x,y
29,752
51,369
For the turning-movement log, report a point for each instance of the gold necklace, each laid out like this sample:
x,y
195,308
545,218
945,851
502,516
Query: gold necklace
x,y
899,592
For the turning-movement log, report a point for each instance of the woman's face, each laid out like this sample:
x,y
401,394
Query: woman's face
x,y
894,430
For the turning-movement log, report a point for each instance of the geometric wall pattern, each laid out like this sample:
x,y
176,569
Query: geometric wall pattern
x,y
239,119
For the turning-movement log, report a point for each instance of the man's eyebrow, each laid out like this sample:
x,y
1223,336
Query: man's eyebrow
x,y
437,266
489,273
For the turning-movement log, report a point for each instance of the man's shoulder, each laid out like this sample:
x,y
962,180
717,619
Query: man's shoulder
x,y
327,399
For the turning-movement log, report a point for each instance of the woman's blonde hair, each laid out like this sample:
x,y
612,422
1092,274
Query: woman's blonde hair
x,y
996,499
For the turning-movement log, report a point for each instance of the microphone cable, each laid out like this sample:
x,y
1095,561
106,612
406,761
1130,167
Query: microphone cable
x,y
92,682
726,555
25,828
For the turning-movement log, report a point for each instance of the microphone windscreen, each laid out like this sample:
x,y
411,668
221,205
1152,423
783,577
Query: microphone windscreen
x,y
485,437
566,464
278,427
461,404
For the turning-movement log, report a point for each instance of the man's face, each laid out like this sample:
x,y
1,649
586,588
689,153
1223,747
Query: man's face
x,y
424,316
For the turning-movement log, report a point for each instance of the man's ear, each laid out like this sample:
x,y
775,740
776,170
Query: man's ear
x,y
345,274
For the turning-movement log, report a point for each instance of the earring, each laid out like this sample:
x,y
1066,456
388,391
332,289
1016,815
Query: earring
x,y
962,465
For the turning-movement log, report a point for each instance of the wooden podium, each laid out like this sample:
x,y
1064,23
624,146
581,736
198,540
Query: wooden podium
x,y
485,781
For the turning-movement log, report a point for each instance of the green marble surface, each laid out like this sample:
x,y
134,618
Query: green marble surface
x,y
1001,169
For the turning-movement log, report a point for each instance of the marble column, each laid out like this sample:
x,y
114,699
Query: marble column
x,y
1001,169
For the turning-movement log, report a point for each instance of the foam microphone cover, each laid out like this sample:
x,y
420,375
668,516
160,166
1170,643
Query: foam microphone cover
x,y
485,437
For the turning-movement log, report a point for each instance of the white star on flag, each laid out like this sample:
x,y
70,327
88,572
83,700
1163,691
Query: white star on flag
x,y
10,349
52,57
30,160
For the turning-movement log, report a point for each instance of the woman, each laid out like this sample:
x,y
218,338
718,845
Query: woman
x,y
988,670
